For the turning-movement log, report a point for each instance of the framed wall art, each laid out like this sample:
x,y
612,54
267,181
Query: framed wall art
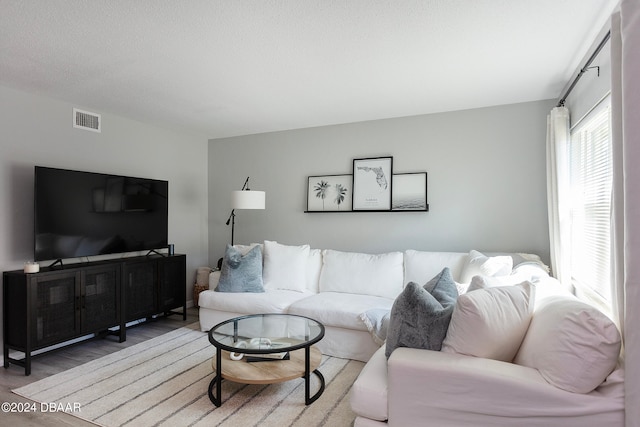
x,y
329,193
372,184
409,192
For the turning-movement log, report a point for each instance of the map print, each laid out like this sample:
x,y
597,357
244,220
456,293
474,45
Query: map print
x,y
380,178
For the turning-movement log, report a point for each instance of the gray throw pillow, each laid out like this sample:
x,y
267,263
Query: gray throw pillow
x,y
241,273
420,315
443,288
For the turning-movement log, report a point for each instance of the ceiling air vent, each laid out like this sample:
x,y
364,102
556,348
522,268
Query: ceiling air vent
x,y
86,120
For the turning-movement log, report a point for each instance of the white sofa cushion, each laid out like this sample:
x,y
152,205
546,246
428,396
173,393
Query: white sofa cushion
x,y
338,308
359,273
573,345
270,301
314,266
490,323
485,282
214,278
422,266
480,264
545,285
285,266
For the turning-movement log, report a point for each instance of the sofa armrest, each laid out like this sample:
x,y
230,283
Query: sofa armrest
x,y
369,397
453,389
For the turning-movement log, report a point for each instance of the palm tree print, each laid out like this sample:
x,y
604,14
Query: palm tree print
x,y
321,190
340,193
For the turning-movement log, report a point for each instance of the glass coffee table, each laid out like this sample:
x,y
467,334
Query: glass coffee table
x,y
266,349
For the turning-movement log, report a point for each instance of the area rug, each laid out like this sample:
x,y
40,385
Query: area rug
x,y
164,381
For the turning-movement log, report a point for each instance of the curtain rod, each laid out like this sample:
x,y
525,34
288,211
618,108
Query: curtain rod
x,y
585,68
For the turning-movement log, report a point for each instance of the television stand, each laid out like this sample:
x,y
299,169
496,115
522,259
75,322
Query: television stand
x,y
98,298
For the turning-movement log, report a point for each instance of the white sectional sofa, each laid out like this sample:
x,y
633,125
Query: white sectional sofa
x,y
338,288
352,294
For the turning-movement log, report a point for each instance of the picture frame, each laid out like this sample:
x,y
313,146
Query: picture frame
x,y
372,184
410,192
329,193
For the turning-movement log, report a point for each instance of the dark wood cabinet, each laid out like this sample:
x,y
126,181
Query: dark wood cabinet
x,y
64,303
140,290
100,298
169,296
150,286
53,301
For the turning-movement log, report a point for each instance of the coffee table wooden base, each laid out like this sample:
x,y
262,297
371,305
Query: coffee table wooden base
x,y
269,372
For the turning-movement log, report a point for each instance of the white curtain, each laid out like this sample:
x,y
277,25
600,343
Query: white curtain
x,y
558,140
625,97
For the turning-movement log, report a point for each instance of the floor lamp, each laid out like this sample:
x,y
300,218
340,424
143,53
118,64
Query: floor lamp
x,y
244,199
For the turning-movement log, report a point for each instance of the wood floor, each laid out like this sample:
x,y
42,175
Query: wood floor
x,y
65,358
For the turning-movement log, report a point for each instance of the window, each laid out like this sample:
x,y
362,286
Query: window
x,y
590,190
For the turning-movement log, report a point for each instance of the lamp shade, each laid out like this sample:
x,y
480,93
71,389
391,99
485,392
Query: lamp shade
x,y
246,199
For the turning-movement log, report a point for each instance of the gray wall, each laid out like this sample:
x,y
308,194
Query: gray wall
x,y
38,131
486,183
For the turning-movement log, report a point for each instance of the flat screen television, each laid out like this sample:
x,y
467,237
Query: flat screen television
x,y
82,214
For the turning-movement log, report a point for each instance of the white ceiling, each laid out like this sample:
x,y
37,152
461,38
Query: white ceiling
x,y
235,67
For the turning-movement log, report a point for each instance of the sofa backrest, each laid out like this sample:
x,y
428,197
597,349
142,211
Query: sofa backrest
x,y
387,274
422,266
383,275
358,273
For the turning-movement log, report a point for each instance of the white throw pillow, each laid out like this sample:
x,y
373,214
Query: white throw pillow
x,y
485,282
285,267
573,345
358,273
479,264
422,266
490,323
544,287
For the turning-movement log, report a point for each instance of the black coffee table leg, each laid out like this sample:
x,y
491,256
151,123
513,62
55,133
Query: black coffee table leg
x,y
217,381
214,399
308,400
